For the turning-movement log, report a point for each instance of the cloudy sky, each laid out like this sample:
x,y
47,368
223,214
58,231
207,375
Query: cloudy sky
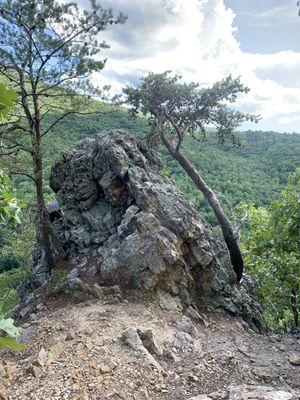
x,y
205,40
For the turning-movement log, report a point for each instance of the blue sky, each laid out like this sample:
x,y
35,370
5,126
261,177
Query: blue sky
x,y
204,41
266,26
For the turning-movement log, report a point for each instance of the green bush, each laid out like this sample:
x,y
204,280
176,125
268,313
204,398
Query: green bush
x,y
271,250
11,332
9,281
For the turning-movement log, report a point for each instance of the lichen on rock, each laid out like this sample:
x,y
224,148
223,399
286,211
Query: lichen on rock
x,y
126,224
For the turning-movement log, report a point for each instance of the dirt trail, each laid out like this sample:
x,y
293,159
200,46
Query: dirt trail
x,y
77,352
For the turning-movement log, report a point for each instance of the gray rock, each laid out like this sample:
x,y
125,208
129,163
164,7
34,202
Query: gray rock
x,y
196,317
41,358
2,371
260,392
136,229
170,356
24,311
187,326
294,358
148,341
131,338
247,392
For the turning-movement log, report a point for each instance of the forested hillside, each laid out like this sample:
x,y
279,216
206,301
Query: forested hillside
x,y
255,173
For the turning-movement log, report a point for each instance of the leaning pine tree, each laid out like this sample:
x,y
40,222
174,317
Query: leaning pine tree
x,y
177,110
48,51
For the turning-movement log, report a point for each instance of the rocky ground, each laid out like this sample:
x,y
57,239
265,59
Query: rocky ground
x,y
136,350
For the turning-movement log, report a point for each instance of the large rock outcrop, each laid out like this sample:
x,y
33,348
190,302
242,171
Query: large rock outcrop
x,y
120,220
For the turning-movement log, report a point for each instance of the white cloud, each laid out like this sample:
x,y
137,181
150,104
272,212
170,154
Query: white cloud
x,y
288,120
196,38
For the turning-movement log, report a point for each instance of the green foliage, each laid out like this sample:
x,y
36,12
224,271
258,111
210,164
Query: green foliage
x,y
8,342
9,214
271,250
7,326
9,298
254,173
7,98
58,281
181,109
9,281
261,166
9,207
16,244
52,42
11,332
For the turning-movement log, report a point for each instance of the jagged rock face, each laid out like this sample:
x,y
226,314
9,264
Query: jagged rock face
x,y
127,224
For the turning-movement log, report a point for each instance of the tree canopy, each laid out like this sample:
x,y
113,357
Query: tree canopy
x,y
181,108
271,246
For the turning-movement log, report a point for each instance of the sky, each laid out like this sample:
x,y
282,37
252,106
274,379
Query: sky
x,y
206,40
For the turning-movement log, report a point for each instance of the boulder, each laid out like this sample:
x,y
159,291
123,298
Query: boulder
x,y
260,393
246,392
294,358
122,221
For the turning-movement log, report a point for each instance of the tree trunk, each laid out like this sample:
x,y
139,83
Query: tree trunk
x,y
294,307
229,237
43,216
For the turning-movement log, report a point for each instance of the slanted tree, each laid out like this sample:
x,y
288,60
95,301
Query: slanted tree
x,y
48,52
177,110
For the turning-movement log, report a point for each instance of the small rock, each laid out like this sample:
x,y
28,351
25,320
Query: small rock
x,y
295,358
182,337
33,370
2,372
40,307
187,326
9,371
41,358
169,302
147,338
24,311
263,374
105,369
193,378
195,316
112,291
132,339
69,337
55,352
168,354
97,291
73,274
223,395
